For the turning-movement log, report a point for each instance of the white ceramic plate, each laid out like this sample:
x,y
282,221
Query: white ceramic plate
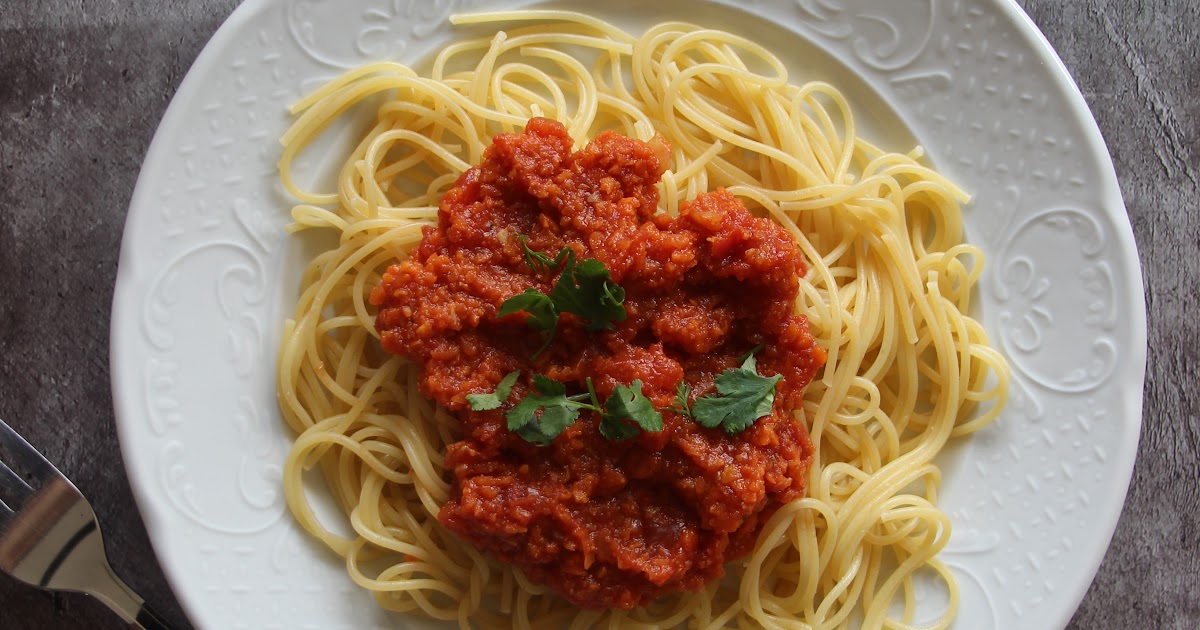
x,y
206,276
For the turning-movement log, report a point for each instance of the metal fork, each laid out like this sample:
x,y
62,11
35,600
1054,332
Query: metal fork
x,y
49,535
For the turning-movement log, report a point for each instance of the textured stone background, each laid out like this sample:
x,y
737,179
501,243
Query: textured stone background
x,y
83,84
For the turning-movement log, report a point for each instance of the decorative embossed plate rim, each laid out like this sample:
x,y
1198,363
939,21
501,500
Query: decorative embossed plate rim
x,y
206,276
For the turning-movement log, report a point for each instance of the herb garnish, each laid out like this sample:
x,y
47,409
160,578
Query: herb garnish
x,y
628,403
742,398
543,315
485,402
585,289
590,293
681,406
558,410
540,262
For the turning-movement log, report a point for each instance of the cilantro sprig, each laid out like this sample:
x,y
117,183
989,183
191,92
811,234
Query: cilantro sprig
x,y
628,404
584,288
543,315
487,402
590,293
743,396
558,411
681,406
540,262
547,410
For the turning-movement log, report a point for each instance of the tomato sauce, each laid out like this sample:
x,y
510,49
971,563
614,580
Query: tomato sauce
x,y
607,524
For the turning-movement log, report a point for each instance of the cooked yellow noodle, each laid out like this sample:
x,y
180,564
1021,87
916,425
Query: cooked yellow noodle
x,y
887,292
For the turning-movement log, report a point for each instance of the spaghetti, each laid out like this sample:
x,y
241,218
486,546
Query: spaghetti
x,y
886,294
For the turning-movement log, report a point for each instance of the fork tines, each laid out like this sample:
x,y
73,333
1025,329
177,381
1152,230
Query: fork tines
x,y
24,458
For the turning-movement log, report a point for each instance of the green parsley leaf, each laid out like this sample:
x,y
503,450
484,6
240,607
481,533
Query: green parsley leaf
x,y
587,290
629,403
557,411
547,411
540,262
615,429
543,316
681,406
486,402
743,397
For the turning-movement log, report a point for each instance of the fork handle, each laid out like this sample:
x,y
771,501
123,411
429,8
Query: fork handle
x,y
117,595
147,619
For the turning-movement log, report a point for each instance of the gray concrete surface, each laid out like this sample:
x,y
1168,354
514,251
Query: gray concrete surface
x,y
83,84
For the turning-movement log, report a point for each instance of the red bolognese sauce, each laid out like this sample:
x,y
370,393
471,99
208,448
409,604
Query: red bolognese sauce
x,y
605,523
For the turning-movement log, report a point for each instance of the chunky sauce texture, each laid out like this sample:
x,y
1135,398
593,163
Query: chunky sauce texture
x,y
607,524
